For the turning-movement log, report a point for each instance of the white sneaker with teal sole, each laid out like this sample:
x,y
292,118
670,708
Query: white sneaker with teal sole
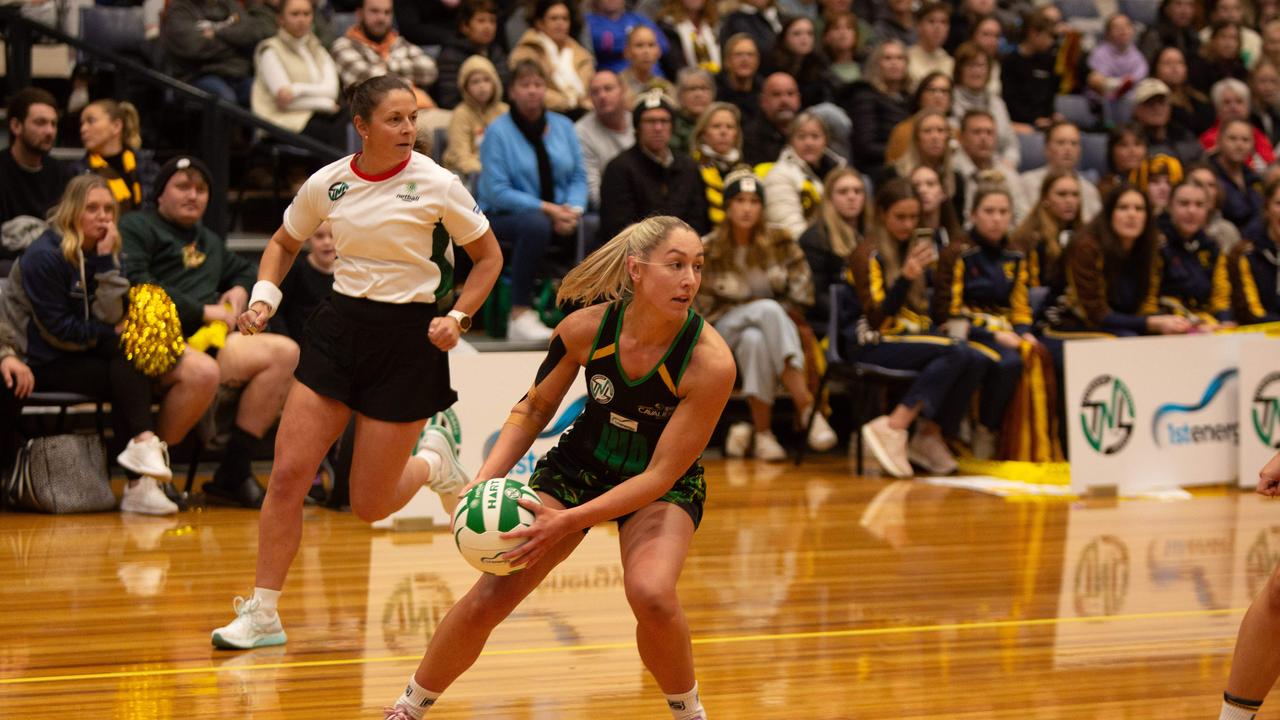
x,y
252,628
452,476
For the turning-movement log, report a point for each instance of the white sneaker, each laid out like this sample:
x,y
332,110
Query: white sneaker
x,y
738,440
821,436
146,497
146,457
252,628
527,326
984,442
767,447
452,476
889,446
930,452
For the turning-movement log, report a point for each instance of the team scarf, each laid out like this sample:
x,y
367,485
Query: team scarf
x,y
125,188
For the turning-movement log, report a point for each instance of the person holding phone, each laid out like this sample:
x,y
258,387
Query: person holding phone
x,y
888,325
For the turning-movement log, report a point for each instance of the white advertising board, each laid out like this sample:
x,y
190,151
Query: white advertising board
x,y
1153,413
1259,404
488,385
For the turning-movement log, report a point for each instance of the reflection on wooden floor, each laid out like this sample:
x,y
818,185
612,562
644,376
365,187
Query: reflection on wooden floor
x,y
812,594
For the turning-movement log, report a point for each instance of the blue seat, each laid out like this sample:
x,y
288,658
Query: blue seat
x,y
115,29
342,21
1143,12
1093,153
588,228
439,144
1076,108
1032,148
1077,9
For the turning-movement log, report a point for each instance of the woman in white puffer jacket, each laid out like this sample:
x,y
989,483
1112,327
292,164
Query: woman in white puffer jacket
x,y
793,184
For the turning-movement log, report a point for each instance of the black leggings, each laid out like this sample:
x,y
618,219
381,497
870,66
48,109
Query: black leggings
x,y
10,409
105,374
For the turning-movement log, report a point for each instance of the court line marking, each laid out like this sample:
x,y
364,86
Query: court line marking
x,y
714,640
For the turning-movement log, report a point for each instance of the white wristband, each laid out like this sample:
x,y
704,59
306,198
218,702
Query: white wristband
x,y
266,291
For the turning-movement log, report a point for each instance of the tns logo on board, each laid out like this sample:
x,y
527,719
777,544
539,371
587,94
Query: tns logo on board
x,y
1266,410
1106,414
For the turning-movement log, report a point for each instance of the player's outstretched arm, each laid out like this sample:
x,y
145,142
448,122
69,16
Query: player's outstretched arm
x,y
566,352
1269,477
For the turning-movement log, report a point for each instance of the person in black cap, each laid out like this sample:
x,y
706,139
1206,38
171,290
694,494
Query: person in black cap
x,y
648,179
171,247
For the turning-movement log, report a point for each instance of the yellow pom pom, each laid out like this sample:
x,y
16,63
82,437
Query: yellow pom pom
x,y
152,337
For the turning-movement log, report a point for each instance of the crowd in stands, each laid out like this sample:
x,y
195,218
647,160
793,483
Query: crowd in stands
x,y
955,190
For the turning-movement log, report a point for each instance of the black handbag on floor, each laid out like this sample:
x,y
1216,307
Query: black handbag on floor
x,y
60,474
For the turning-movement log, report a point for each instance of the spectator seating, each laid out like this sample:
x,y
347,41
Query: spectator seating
x,y
61,403
1093,154
1032,147
868,384
1076,108
1142,12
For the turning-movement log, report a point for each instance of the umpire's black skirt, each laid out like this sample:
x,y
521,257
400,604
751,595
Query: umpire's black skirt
x,y
375,358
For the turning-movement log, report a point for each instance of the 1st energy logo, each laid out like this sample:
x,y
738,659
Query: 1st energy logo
x,y
1185,433
1106,414
1265,410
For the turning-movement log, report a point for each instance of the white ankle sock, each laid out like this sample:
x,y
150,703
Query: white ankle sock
x,y
1234,708
686,706
417,699
434,463
267,599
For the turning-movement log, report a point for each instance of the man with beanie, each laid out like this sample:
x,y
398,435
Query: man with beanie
x,y
170,247
648,179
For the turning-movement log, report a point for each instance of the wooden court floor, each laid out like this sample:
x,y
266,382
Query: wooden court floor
x,y
812,594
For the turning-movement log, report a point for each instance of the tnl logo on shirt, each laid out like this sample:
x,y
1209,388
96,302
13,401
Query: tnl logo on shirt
x,y
601,388
337,190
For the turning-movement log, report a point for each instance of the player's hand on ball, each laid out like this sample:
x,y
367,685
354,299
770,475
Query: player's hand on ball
x,y
443,333
467,488
549,526
1269,477
254,320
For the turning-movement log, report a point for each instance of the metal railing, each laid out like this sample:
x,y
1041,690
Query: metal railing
x,y
218,116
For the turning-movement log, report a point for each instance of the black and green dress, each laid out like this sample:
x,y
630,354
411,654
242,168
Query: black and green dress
x,y
615,436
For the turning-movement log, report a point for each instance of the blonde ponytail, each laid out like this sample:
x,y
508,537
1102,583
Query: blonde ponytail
x,y
131,132
602,276
127,115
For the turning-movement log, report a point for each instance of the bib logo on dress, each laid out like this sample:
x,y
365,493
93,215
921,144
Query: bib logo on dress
x,y
337,190
601,388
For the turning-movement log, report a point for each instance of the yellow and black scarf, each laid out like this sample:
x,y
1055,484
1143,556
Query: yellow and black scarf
x,y
126,188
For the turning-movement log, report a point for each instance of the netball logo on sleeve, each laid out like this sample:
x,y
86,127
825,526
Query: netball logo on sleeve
x,y
337,190
601,388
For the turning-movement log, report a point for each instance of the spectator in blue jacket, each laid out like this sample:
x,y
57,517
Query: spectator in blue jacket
x,y
609,25
533,189
70,294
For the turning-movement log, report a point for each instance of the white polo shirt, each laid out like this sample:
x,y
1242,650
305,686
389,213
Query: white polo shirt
x,y
384,226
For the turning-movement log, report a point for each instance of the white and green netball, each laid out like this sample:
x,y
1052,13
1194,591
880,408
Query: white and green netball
x,y
486,512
